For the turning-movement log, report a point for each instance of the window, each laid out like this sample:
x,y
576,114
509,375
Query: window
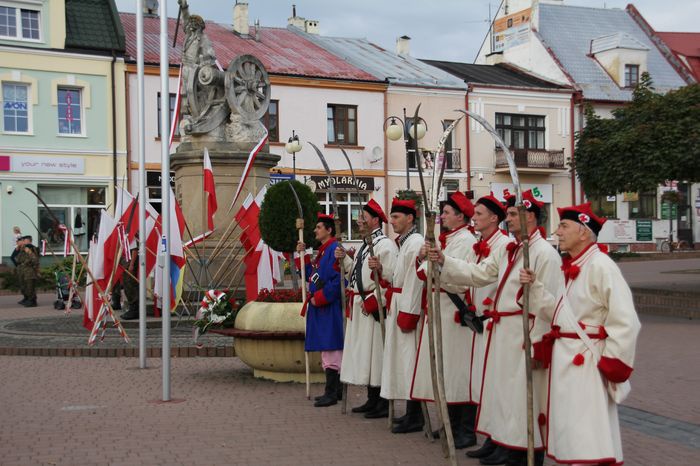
x,y
15,108
76,207
271,121
631,75
604,206
521,131
349,205
644,207
173,99
342,124
19,23
70,111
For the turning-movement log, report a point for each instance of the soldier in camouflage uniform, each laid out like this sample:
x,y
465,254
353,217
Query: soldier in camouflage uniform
x,y
130,283
28,271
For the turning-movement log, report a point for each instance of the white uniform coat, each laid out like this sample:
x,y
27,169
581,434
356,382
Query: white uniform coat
x,y
503,410
363,348
456,339
400,347
482,297
583,426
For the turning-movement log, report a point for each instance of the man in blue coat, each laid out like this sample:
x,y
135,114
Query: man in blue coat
x,y
323,310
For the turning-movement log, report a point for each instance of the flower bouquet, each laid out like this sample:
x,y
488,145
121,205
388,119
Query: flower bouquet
x,y
279,296
217,308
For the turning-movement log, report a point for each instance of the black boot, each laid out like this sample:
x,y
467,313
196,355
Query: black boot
x,y
131,314
380,410
463,426
371,403
23,301
517,458
339,386
30,303
486,449
414,419
330,397
499,456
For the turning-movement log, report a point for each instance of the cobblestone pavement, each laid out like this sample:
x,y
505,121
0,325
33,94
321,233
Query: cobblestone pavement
x,y
676,275
90,411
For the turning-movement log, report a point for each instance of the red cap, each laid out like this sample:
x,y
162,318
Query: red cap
x,y
584,215
375,210
494,205
404,206
322,216
460,203
531,204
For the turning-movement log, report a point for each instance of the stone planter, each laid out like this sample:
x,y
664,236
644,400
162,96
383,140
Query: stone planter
x,y
269,337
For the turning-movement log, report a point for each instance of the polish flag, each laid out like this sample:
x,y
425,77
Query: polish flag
x,y
210,190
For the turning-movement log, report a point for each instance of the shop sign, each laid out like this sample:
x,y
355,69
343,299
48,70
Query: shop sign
x,y
54,165
644,230
153,179
4,163
277,177
542,192
623,230
344,183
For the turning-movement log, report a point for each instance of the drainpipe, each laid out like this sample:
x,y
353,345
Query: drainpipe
x,y
114,131
573,146
467,151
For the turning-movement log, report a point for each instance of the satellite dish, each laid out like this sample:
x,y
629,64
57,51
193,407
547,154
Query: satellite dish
x,y
376,155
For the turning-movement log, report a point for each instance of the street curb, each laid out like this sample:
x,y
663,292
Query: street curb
x,y
667,303
178,352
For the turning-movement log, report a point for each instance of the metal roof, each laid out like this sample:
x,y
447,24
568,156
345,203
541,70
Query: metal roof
x,y
389,66
280,50
500,75
568,32
687,45
619,40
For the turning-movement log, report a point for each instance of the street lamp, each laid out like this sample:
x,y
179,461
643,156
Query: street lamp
x,y
292,147
395,127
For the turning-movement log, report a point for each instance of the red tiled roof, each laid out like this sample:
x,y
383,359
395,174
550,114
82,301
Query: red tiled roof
x,y
280,50
686,44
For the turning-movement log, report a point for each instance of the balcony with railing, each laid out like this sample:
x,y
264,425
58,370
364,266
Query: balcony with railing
x,y
533,160
453,163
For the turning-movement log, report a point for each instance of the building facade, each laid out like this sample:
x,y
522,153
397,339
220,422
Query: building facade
x,y
63,133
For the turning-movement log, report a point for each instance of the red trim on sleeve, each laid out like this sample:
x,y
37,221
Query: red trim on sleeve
x,y
370,304
407,321
614,370
384,283
320,299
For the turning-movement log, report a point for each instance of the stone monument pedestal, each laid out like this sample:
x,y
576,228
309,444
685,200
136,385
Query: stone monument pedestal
x,y
228,160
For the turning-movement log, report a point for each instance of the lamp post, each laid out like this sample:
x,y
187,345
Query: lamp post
x,y
292,147
397,127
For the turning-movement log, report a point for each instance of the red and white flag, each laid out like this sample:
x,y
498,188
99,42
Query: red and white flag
x,y
248,166
210,190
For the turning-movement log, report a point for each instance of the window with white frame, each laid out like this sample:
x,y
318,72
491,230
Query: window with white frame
x,y
15,107
171,104
19,23
349,207
70,115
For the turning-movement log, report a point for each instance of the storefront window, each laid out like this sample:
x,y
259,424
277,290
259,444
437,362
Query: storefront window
x,y
349,207
76,207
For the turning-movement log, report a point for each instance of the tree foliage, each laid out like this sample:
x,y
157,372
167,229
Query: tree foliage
x,y
279,212
653,139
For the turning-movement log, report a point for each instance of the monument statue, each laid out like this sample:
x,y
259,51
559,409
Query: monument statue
x,y
219,105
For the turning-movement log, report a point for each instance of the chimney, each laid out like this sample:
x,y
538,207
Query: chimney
x,y
403,45
240,19
150,8
311,26
257,30
494,58
296,21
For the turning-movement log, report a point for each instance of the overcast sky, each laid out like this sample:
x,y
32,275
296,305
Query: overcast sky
x,y
439,29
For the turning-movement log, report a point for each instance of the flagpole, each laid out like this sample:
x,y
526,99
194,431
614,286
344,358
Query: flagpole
x,y
165,195
142,183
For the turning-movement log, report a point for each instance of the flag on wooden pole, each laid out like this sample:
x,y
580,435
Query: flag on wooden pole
x,y
210,190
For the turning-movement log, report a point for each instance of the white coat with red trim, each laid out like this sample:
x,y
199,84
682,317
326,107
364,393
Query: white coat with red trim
x,y
456,339
583,425
503,410
482,298
363,347
401,322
